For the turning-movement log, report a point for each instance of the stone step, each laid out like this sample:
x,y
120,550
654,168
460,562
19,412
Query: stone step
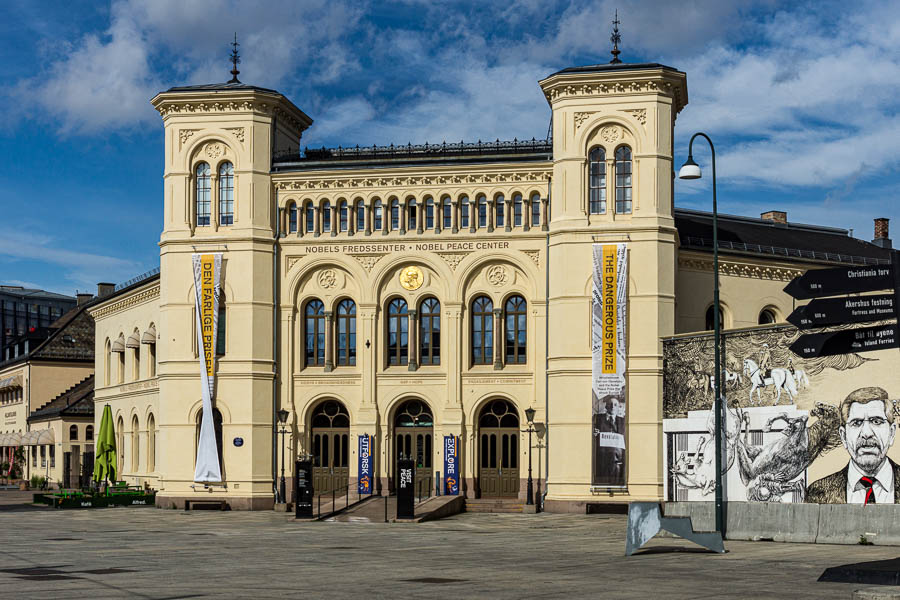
x,y
494,505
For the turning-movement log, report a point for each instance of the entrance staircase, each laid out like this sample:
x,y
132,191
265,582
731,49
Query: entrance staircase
x,y
494,505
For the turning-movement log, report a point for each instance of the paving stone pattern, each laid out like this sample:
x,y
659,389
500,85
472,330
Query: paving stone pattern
x,y
152,553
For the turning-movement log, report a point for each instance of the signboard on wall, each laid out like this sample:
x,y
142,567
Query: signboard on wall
x,y
406,501
608,330
364,483
451,465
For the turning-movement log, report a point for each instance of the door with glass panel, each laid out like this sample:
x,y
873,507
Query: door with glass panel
x,y
498,450
414,438
330,444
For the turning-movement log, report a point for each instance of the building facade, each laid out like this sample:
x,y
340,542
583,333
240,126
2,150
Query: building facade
x,y
421,293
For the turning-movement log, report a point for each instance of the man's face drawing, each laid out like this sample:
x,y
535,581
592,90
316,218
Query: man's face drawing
x,y
868,435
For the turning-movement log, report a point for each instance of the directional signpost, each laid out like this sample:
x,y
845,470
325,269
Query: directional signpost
x,y
846,310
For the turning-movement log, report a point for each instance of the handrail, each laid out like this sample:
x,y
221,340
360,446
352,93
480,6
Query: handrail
x,y
783,251
337,493
425,150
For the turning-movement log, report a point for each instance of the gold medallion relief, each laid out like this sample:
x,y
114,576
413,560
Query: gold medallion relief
x,y
411,278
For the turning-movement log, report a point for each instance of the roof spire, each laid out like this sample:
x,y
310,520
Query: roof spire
x,y
235,60
615,38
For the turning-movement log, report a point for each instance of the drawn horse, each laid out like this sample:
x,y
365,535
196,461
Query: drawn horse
x,y
780,378
732,380
801,378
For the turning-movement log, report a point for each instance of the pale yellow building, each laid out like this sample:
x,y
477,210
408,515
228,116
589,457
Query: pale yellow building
x,y
417,292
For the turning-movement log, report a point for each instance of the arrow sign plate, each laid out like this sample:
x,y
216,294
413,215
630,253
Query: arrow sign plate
x,y
841,280
864,339
835,311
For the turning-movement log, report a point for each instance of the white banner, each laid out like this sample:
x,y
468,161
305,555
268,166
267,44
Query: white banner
x,y
207,268
608,328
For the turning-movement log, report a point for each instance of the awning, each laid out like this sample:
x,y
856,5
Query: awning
x,y
149,336
41,437
10,439
133,341
14,381
119,344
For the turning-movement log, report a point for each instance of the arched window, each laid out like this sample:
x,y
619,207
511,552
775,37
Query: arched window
x,y
710,318
221,326
134,341
515,313
395,214
346,333
120,445
767,316
204,191
315,333
151,444
535,210
107,379
377,216
482,212
344,216
429,213
482,331
217,426
326,216
464,212
73,433
226,194
499,208
517,210
430,332
292,218
447,210
623,180
398,332
411,209
135,445
360,215
89,433
597,181
310,217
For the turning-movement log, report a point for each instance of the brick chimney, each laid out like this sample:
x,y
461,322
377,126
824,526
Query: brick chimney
x,y
774,215
105,289
881,233
83,298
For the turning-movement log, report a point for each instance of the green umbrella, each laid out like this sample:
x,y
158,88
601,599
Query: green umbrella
x,y
105,453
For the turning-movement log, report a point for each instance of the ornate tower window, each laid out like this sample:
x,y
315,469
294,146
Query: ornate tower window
x,y
395,214
377,215
226,194
623,180
346,333
515,313
482,331
430,332
517,210
204,191
344,216
597,181
464,212
315,333
482,212
535,210
326,216
292,218
429,213
447,210
398,332
499,204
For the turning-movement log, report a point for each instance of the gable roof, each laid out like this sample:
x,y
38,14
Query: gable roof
x,y
78,401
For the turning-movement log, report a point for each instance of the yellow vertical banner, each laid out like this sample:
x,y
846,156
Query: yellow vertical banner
x,y
207,269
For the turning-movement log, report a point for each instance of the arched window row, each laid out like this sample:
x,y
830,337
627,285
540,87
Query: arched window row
x,y
600,186
205,187
428,213
412,334
137,350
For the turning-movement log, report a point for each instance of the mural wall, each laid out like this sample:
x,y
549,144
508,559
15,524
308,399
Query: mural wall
x,y
817,430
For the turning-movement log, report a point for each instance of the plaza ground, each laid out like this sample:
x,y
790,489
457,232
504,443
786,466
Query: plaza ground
x,y
167,554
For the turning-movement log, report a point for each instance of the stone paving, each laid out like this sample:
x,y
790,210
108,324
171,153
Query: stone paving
x,y
167,554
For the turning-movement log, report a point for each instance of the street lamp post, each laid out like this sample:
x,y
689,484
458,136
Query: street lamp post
x,y
529,490
282,418
691,170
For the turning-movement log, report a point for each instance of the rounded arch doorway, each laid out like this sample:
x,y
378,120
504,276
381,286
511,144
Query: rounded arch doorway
x,y
330,443
498,449
414,439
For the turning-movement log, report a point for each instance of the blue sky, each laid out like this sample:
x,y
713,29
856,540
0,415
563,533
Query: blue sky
x,y
800,99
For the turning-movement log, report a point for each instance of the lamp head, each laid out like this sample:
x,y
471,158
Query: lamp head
x,y
529,414
690,169
282,416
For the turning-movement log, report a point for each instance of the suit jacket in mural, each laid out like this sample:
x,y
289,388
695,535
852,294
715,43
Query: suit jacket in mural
x,y
833,489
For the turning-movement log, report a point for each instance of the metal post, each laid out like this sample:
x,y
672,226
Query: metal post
x,y
529,490
282,491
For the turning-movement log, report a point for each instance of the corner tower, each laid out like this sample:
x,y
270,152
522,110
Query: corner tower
x,y
612,183
218,197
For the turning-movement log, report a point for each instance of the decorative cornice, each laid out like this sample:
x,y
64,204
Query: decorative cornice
x,y
564,87
175,107
405,182
367,260
290,261
453,258
127,302
534,255
735,269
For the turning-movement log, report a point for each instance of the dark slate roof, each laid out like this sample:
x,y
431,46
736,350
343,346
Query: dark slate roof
x,y
220,87
77,401
747,235
71,338
28,293
606,67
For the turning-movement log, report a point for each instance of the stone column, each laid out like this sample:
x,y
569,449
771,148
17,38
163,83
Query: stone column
x,y
526,214
509,215
420,219
454,216
329,341
351,219
335,218
439,215
473,215
545,205
214,201
367,212
402,216
385,218
498,340
490,215
413,340
318,220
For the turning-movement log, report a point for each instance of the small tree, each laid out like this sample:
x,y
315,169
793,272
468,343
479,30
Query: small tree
x,y
18,464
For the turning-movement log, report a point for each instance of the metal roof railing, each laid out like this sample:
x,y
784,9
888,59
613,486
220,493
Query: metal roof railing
x,y
139,278
426,150
782,251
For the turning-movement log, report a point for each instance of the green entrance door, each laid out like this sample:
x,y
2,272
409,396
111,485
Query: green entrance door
x,y
330,447
414,438
498,475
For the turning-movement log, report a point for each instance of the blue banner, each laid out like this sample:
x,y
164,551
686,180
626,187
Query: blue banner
x,y
364,484
451,465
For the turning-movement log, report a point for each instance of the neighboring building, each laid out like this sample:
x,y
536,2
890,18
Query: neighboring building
x,y
47,363
23,310
417,292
